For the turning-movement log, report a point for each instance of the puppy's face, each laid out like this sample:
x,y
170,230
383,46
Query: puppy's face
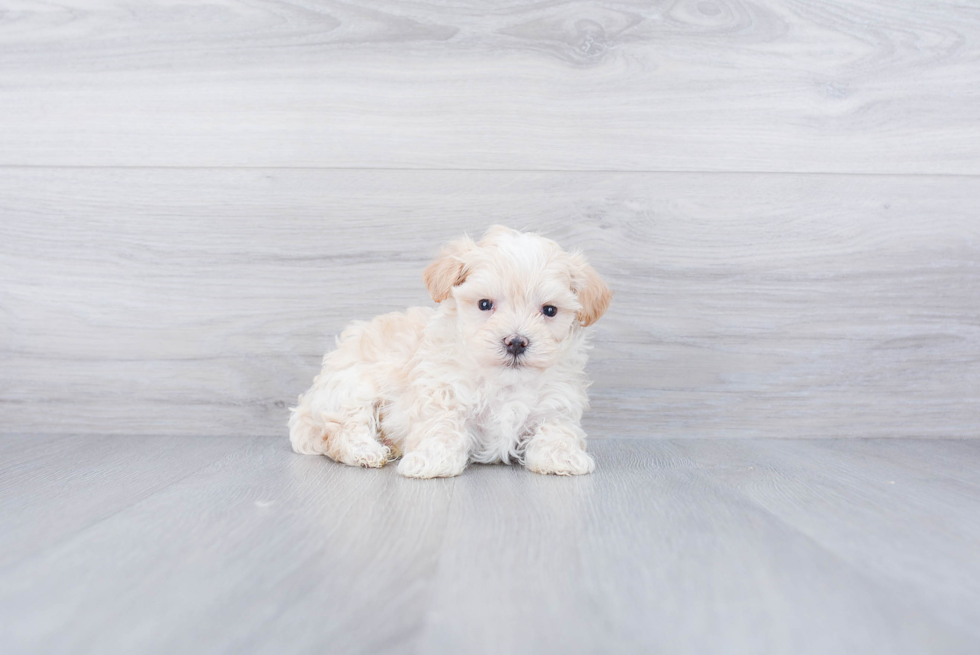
x,y
518,296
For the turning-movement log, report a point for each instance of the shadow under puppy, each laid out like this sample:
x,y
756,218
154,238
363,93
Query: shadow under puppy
x,y
494,373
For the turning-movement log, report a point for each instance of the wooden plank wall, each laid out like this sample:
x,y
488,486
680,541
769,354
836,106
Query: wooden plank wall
x,y
194,197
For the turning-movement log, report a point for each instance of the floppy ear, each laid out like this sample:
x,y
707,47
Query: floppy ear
x,y
592,292
449,269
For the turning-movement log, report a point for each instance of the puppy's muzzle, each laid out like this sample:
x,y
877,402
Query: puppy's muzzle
x,y
516,344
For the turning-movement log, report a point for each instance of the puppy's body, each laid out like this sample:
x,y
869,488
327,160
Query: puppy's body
x,y
465,382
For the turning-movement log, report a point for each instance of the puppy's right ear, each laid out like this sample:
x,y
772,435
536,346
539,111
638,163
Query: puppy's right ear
x,y
449,269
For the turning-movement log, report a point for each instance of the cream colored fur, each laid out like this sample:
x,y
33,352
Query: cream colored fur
x,y
438,388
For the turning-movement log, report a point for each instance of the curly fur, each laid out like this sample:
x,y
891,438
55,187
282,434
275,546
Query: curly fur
x,y
438,387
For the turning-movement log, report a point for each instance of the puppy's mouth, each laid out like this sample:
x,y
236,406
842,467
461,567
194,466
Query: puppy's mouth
x,y
514,361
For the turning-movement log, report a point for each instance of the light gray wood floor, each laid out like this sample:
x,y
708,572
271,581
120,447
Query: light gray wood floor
x,y
206,545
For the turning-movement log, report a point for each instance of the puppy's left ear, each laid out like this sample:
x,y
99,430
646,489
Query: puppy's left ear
x,y
592,292
449,269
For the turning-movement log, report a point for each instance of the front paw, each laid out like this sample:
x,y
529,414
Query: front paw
x,y
557,457
370,454
431,463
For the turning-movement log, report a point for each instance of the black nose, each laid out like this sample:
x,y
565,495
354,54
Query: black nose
x,y
516,344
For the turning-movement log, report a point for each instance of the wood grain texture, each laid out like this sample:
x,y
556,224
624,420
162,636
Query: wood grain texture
x,y
41,505
674,546
201,301
701,85
260,551
661,551
875,507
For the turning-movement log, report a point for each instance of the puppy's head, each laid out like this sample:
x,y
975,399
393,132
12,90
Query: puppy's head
x,y
518,296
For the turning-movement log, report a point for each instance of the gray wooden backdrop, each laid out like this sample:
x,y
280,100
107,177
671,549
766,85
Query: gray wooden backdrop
x,y
195,197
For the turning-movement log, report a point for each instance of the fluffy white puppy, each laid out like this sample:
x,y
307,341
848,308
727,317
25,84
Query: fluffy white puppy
x,y
495,373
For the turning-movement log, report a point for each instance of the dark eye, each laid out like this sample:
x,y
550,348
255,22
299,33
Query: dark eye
x,y
549,310
486,305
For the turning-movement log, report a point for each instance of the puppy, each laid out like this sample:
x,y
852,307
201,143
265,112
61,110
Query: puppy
x,y
494,373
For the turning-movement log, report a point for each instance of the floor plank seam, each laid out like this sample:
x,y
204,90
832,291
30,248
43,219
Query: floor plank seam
x,y
584,171
81,531
426,624
875,581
